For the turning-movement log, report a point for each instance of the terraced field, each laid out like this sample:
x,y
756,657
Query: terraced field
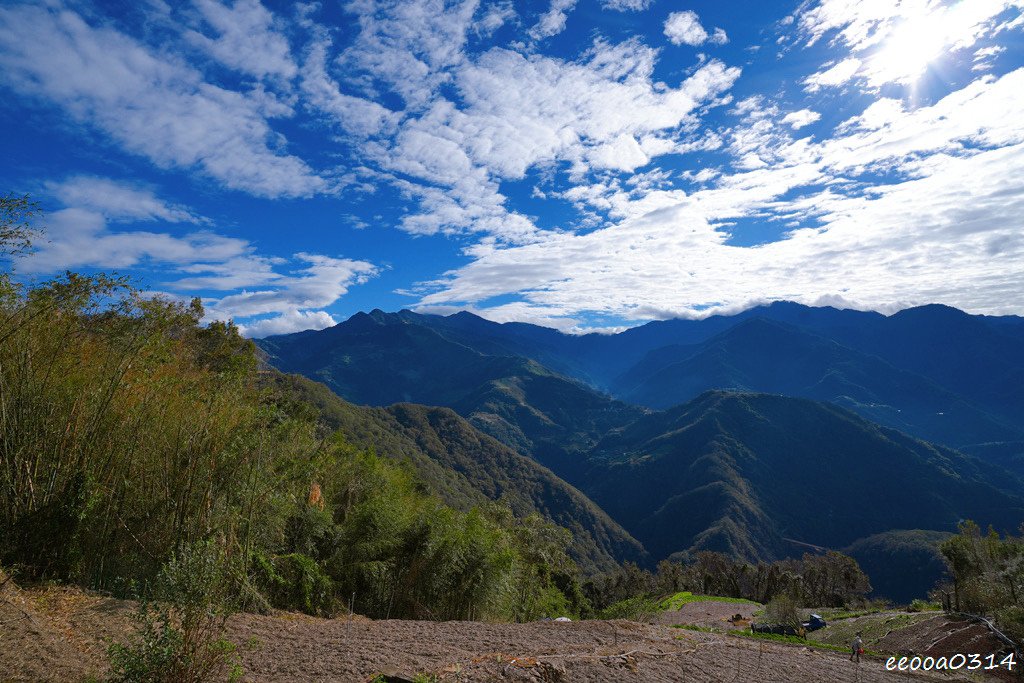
x,y
61,635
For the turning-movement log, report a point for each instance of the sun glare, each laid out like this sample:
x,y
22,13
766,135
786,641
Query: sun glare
x,y
910,48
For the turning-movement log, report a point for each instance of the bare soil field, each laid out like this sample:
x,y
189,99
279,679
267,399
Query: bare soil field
x,y
923,633
710,614
59,634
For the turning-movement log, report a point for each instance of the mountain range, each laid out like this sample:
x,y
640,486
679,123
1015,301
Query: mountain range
x,y
749,434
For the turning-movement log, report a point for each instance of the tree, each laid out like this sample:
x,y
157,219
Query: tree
x,y
832,580
783,610
17,216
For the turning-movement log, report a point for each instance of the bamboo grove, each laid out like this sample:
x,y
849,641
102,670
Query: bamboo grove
x,y
130,433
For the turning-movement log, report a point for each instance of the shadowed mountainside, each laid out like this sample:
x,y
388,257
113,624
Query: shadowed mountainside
x,y
734,471
740,472
901,562
380,359
466,467
768,356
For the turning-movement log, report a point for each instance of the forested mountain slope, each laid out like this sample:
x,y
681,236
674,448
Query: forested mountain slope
x,y
466,467
740,472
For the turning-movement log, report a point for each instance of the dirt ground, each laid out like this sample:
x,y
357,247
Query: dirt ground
x,y
710,614
62,635
589,651
923,633
940,636
58,634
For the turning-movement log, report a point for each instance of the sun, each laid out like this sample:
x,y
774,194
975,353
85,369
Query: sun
x,y
910,48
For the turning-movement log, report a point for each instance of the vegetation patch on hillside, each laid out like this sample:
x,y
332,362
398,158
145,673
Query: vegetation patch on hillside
x,y
674,602
797,640
776,638
873,629
132,433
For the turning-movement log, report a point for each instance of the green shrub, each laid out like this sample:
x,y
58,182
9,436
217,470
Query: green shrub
x,y
296,582
784,610
164,653
676,601
155,653
1011,622
639,608
551,602
180,639
129,431
919,605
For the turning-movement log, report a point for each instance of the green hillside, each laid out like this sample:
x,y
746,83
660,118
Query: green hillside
x,y
546,416
739,473
145,454
380,359
467,467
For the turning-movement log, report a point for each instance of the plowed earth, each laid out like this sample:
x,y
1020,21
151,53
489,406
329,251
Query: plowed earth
x,y
62,634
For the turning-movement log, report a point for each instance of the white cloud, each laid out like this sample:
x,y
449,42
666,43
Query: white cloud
x,y
985,112
684,28
246,39
118,201
522,111
862,25
467,207
916,241
512,112
322,282
801,118
79,236
621,154
286,323
870,241
356,115
244,270
880,113
626,5
897,42
150,104
519,112
407,46
984,58
553,21
837,74
497,15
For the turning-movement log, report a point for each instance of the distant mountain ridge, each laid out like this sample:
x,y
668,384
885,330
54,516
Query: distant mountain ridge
x,y
759,354
933,371
731,433
384,358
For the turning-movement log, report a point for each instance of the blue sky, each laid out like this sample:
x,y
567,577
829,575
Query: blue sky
x,y
583,164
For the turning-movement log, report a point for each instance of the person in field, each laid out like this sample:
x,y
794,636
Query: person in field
x,y
857,647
